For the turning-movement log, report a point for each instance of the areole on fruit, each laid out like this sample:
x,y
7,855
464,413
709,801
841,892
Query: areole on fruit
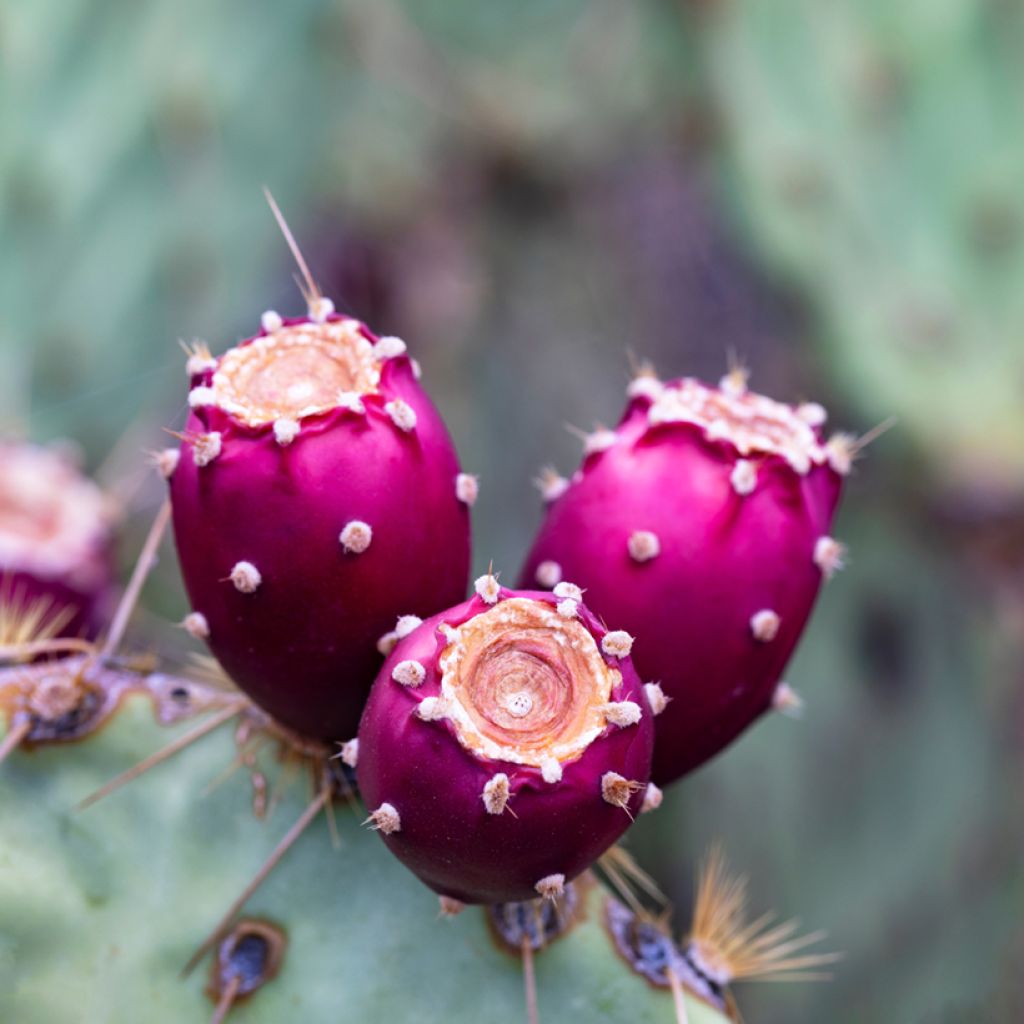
x,y
517,758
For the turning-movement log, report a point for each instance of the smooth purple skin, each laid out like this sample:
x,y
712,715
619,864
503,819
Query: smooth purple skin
x,y
304,645
723,558
447,838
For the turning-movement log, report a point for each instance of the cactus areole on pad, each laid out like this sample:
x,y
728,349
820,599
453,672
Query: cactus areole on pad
x,y
506,745
701,525
316,497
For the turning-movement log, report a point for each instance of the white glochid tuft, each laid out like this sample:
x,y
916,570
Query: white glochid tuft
x,y
356,537
409,673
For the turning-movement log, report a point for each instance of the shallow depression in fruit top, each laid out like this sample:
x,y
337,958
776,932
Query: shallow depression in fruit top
x,y
524,683
296,371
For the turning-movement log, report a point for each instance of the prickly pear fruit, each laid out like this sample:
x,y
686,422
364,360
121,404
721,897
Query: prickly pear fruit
x,y
506,745
56,543
316,497
701,525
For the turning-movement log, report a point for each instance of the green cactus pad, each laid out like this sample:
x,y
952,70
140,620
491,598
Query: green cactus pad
x,y
101,908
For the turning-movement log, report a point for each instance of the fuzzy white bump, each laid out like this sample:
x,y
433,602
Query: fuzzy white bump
x,y
616,789
386,644
195,625
417,370
286,430
812,413
643,545
409,673
656,697
551,887
841,450
599,441
196,364
652,798
206,447
450,906
552,485
548,574
567,608
401,414
496,793
271,321
246,577
618,643
320,309
389,348
406,624
487,588
829,556
430,709
467,487
201,396
351,401
564,589
385,819
356,537
550,770
623,713
743,477
734,383
645,386
787,701
167,462
350,753
765,625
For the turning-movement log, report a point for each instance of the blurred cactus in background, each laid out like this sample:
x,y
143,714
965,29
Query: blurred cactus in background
x,y
829,193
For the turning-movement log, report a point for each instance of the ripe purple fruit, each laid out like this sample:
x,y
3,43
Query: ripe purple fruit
x,y
317,496
56,542
701,525
506,745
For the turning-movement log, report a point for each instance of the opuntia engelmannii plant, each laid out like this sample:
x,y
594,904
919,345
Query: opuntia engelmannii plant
x,y
316,497
506,745
700,524
56,543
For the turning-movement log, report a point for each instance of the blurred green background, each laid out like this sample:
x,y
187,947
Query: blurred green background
x,y
529,194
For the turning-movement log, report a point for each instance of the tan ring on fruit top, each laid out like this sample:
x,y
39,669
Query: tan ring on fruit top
x,y
752,423
522,683
296,371
52,519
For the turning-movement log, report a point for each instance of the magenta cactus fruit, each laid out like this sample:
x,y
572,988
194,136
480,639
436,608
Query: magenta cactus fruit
x,y
701,525
316,496
505,746
56,543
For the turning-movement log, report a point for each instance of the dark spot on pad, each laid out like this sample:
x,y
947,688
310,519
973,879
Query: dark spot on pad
x,y
539,921
72,724
247,959
650,952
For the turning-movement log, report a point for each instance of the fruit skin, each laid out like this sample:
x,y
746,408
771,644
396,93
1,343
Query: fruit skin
x,y
724,556
447,837
303,644
75,580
